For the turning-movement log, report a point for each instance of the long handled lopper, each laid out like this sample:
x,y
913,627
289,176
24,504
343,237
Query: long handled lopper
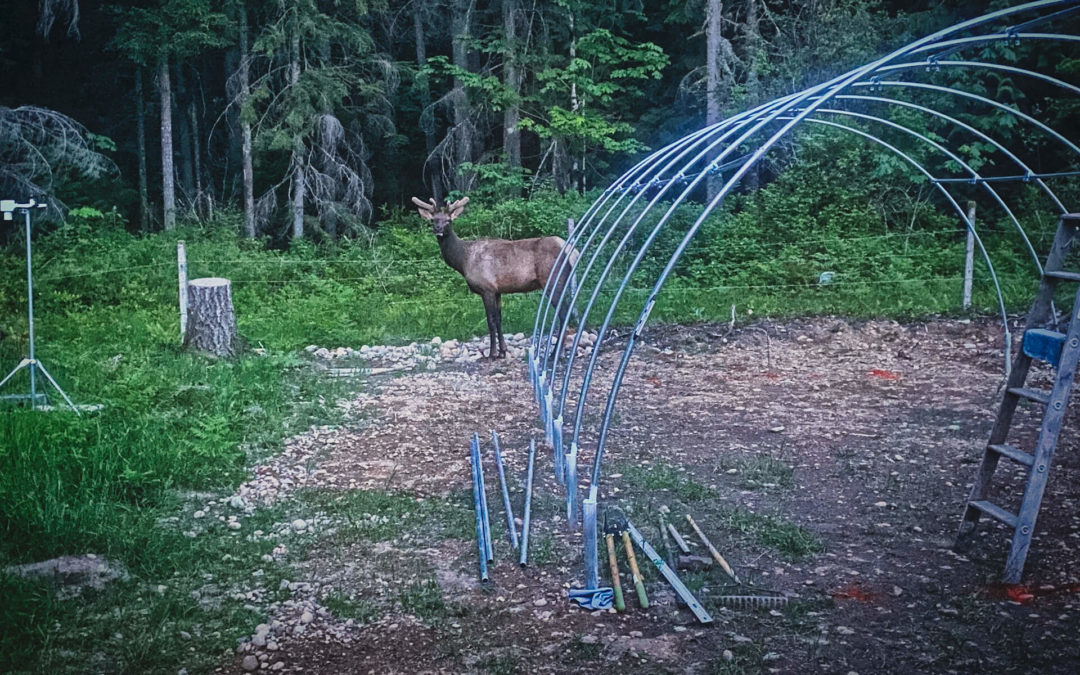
x,y
610,530
620,526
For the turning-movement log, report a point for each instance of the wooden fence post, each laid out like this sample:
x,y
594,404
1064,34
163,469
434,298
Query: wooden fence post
x,y
969,256
181,269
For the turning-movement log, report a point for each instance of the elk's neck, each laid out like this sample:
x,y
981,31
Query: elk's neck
x,y
453,250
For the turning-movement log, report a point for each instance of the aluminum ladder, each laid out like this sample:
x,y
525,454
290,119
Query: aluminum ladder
x,y
1062,350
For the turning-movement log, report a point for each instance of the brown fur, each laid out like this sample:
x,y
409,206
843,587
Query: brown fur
x,y
492,267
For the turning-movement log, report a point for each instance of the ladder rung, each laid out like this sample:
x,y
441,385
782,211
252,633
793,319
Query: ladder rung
x,y
1061,274
996,512
1043,344
1015,454
1073,217
1031,394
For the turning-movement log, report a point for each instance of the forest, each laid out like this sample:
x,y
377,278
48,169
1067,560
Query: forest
x,y
281,141
313,118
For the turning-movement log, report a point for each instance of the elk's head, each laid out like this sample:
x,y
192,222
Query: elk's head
x,y
440,217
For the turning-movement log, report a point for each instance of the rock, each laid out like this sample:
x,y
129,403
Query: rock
x,y
280,665
727,655
234,525
322,353
237,502
299,525
311,348
249,663
307,617
589,639
72,573
199,514
259,640
540,602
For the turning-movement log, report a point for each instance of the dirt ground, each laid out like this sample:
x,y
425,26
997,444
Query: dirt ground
x,y
881,425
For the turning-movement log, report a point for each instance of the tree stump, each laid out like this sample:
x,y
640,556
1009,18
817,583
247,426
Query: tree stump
x,y
211,320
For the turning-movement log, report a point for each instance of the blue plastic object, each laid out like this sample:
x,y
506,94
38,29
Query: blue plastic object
x,y
592,598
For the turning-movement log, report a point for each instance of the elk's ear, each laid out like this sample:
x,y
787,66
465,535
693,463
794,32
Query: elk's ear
x,y
424,208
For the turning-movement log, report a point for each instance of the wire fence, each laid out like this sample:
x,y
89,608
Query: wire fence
x,y
393,290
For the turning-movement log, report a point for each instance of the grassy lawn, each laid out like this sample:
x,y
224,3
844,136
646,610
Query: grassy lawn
x,y
173,425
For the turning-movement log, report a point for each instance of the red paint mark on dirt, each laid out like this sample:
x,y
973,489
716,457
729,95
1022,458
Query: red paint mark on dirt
x,y
654,381
1023,594
854,592
772,376
884,374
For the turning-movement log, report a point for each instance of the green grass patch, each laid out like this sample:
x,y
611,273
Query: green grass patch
x,y
661,477
349,607
423,599
787,538
760,471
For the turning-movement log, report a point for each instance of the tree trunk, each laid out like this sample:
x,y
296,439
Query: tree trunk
x,y
753,48
201,200
718,72
298,167
168,184
574,105
140,129
425,97
512,80
187,172
245,126
211,318
461,20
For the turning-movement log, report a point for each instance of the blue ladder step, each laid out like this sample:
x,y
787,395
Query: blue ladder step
x,y
1062,274
1044,344
1015,454
996,512
1031,394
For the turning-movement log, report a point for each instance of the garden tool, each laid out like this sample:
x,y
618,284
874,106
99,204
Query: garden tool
x,y
609,538
712,550
639,585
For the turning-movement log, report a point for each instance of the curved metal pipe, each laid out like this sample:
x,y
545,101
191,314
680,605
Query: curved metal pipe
x,y
626,237
832,88
930,43
617,381
794,121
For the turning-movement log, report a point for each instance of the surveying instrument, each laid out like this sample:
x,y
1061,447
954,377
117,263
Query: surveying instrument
x,y
8,207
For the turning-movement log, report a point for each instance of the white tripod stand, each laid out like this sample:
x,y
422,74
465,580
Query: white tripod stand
x,y
8,207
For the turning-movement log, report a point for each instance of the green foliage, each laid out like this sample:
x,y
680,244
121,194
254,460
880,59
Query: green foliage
x,y
168,29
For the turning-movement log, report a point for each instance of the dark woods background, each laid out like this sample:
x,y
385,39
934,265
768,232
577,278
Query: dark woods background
x,y
350,106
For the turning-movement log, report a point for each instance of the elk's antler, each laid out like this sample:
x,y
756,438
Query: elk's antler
x,y
455,208
422,205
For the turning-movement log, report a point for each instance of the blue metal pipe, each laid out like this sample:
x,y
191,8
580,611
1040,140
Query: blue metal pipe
x,y
571,487
526,518
588,509
510,526
481,544
483,500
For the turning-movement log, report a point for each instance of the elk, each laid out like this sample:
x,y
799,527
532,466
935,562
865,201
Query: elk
x,y
492,267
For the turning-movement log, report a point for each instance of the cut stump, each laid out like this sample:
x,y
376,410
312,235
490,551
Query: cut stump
x,y
211,320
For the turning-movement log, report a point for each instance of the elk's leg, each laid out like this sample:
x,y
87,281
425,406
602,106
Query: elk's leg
x,y
491,309
498,326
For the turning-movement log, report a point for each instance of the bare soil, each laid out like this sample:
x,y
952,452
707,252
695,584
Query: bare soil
x,y
881,425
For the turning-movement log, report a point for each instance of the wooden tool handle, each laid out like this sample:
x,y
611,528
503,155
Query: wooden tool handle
x,y
639,585
616,583
712,549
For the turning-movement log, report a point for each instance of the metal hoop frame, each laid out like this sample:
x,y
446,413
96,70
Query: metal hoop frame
x,y
609,229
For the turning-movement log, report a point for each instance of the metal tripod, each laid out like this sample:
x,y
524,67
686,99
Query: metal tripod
x,y
31,363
